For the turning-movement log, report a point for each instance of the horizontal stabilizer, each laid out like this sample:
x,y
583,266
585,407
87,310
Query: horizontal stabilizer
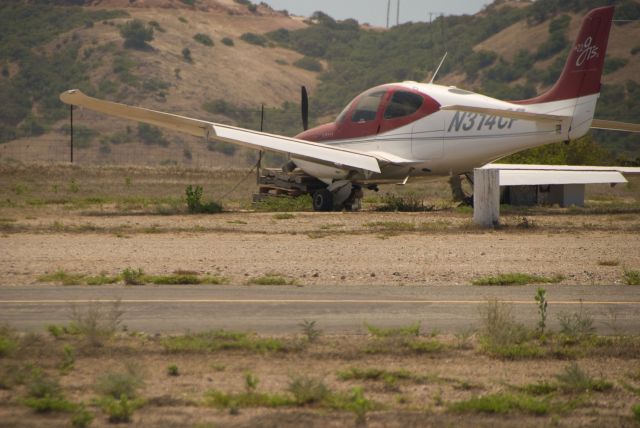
x,y
257,140
615,126
523,115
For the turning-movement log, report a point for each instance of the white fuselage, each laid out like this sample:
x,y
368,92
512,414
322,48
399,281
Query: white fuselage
x,y
454,142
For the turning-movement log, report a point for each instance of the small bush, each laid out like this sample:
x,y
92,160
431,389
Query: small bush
x,y
132,276
410,202
503,337
254,39
309,330
204,39
576,326
227,41
82,418
186,55
306,390
62,277
195,204
136,34
218,340
284,216
120,410
517,279
284,204
636,412
224,400
308,63
123,383
575,380
271,279
632,277
173,370
95,324
45,395
502,403
8,341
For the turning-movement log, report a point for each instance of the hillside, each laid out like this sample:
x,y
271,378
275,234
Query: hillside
x,y
228,74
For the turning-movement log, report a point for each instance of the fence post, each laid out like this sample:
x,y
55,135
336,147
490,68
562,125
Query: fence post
x,y
486,197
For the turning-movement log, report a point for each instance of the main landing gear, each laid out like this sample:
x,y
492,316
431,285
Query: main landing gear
x,y
341,194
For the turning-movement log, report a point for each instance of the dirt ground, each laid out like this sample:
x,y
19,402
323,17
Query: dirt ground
x,y
93,220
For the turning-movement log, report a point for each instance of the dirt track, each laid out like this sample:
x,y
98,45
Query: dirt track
x,y
313,248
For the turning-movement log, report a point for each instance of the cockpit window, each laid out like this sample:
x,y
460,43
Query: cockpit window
x,y
403,104
367,107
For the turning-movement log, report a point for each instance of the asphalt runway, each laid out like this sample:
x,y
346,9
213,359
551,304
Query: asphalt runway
x,y
277,310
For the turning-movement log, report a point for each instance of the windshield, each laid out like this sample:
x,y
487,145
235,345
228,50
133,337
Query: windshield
x,y
367,107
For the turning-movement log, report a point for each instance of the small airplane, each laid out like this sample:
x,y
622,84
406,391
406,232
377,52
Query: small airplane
x,y
398,131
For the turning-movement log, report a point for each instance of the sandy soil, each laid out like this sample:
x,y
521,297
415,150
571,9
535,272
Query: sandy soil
x,y
315,248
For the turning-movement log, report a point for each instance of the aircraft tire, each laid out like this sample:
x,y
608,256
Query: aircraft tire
x,y
323,200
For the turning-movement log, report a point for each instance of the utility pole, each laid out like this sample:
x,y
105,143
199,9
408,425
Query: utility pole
x,y
71,132
398,14
388,11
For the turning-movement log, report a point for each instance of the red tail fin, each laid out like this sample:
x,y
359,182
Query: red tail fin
x,y
583,69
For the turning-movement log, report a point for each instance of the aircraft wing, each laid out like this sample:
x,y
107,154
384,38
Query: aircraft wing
x,y
615,126
536,117
258,140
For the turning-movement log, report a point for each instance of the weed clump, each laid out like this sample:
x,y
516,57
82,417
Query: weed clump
x,y
575,380
283,204
307,390
95,324
123,383
410,202
400,339
220,340
632,277
271,279
503,337
309,330
195,204
45,395
517,279
502,403
8,341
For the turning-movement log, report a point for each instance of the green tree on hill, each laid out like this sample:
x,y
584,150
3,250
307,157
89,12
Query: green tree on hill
x,y
136,34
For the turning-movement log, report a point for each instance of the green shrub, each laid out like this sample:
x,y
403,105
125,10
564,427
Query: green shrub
x,y
45,395
204,39
576,326
632,277
8,341
310,331
218,340
636,412
132,276
125,383
517,279
136,34
575,380
227,41
151,135
120,410
254,39
173,370
186,55
306,390
271,279
502,403
195,204
284,204
308,63
614,64
82,418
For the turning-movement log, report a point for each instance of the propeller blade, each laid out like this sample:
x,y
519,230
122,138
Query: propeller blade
x,y
305,109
